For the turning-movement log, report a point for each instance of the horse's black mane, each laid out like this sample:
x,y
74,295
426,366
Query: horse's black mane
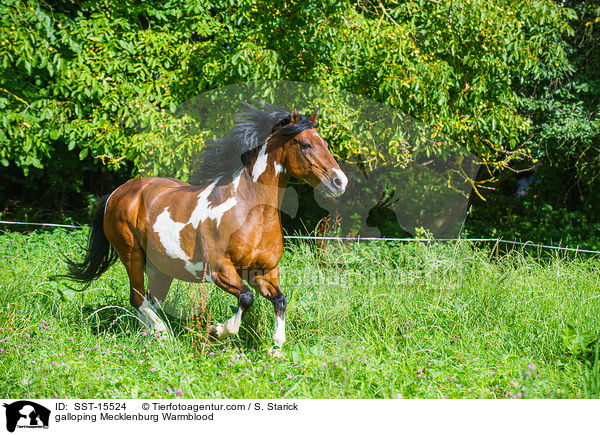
x,y
225,156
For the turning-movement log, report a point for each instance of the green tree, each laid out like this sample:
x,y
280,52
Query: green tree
x,y
71,72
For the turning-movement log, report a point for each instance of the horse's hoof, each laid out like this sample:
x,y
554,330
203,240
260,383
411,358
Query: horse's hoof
x,y
217,331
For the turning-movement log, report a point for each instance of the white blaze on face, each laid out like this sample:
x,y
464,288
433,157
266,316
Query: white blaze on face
x,y
279,334
260,165
342,177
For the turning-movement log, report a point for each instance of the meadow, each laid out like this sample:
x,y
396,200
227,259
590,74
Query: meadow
x,y
364,320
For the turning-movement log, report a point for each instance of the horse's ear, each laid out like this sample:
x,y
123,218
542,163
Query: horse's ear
x,y
314,117
295,117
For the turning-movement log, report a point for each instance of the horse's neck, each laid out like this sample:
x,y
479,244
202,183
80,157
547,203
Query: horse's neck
x,y
265,178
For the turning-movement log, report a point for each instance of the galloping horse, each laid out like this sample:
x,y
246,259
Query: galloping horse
x,y
224,225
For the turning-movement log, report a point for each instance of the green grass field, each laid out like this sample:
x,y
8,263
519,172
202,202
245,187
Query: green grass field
x,y
363,321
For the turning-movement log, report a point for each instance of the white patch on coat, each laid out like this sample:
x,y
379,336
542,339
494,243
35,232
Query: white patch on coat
x,y
278,168
342,177
169,235
279,334
169,231
236,179
216,213
204,210
200,213
260,165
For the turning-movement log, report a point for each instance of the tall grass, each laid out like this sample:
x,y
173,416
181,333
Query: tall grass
x,y
363,321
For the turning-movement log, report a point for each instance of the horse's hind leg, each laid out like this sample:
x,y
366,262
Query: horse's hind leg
x,y
134,259
141,300
158,287
229,280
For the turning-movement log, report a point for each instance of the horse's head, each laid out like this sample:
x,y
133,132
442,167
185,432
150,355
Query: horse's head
x,y
307,156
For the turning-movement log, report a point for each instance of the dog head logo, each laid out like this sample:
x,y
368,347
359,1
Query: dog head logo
x,y
26,414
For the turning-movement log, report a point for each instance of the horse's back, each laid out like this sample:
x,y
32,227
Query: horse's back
x,y
132,203
137,186
140,192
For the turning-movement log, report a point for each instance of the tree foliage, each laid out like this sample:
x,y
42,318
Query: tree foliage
x,y
487,74
565,109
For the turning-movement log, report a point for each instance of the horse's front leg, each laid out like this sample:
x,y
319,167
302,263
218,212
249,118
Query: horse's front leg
x,y
227,278
267,284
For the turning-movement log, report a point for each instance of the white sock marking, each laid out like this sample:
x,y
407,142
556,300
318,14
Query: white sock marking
x,y
279,334
147,316
231,326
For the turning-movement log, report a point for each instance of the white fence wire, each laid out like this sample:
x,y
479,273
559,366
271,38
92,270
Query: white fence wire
x,y
367,239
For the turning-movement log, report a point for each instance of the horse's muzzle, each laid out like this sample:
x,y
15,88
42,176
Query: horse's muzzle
x,y
336,183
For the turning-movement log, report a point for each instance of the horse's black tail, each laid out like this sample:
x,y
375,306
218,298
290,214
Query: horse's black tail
x,y
99,254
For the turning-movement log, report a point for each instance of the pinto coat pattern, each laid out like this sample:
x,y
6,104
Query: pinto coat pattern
x,y
228,224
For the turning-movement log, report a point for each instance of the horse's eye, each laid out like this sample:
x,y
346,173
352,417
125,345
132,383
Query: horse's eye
x,y
305,145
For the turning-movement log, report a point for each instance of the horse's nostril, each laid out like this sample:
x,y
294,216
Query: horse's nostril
x,y
337,182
